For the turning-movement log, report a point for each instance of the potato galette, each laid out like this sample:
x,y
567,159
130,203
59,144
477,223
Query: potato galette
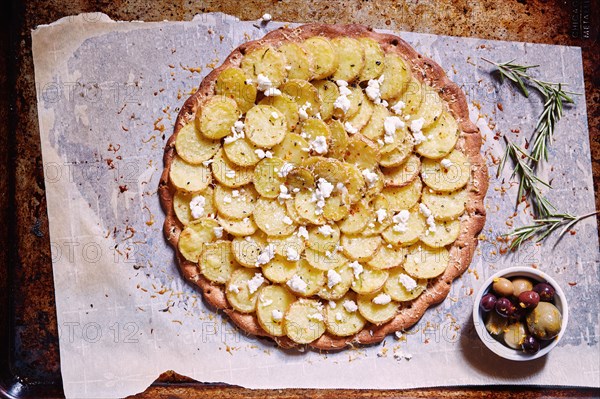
x,y
324,186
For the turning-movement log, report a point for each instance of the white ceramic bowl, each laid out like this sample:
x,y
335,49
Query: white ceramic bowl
x,y
560,301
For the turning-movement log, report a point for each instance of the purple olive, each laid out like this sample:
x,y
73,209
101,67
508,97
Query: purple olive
x,y
518,314
488,302
545,291
530,345
529,299
504,307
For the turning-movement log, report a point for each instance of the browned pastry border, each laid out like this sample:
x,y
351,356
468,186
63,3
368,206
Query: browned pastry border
x,y
461,251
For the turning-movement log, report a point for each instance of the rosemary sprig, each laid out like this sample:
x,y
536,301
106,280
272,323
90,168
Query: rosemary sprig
x,y
554,99
541,228
528,182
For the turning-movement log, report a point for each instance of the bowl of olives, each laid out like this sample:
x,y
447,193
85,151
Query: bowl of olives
x,y
520,313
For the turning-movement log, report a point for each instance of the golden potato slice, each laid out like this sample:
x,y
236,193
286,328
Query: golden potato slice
x,y
238,228
356,97
314,129
323,238
406,197
374,184
356,184
188,177
322,57
312,279
446,232
338,141
302,92
361,118
358,247
395,286
376,313
216,116
235,203
445,205
194,148
380,221
284,244
336,291
194,235
265,61
342,322
304,321
387,257
279,269
217,262
307,208
233,83
292,149
442,136
441,178
181,205
228,173
402,175
300,178
374,59
298,64
426,262
327,260
287,106
267,179
406,233
412,96
328,93
241,152
265,126
336,207
271,217
290,206
396,74
370,280
374,129
402,149
242,289
247,249
273,302
360,215
362,152
329,169
351,58
431,106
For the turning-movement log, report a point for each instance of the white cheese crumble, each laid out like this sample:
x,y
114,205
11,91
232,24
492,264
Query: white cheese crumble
x,y
277,315
261,154
323,191
274,115
266,17
401,221
272,92
349,128
343,102
398,334
263,82
319,145
332,304
316,316
446,163
302,232
266,255
370,177
287,220
255,282
390,124
284,193
381,214
333,278
325,230
207,162
357,267
297,284
430,219
339,316
285,169
292,254
227,199
197,206
266,302
235,193
350,306
237,131
398,107
302,110
230,174
218,232
382,299
234,288
415,128
408,282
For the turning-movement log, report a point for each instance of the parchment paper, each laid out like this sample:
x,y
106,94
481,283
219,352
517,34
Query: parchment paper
x,y
108,94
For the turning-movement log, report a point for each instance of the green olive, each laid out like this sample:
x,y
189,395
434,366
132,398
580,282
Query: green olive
x,y
520,285
495,324
514,335
544,322
503,287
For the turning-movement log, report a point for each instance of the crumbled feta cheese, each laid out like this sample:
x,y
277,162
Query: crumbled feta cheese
x,y
382,299
408,282
446,163
263,82
332,304
227,199
302,232
197,206
398,107
255,282
390,124
284,193
218,232
370,177
430,218
288,67
373,89
230,174
274,115
249,81
246,220
266,255
381,214
261,154
401,221
266,17
285,169
266,302
287,220
272,92
302,110
349,128
297,284
350,306
333,278
277,315
237,131
398,334
325,230
235,193
292,254
339,316
415,127
316,316
343,102
323,191
319,145
357,267
207,162
234,288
